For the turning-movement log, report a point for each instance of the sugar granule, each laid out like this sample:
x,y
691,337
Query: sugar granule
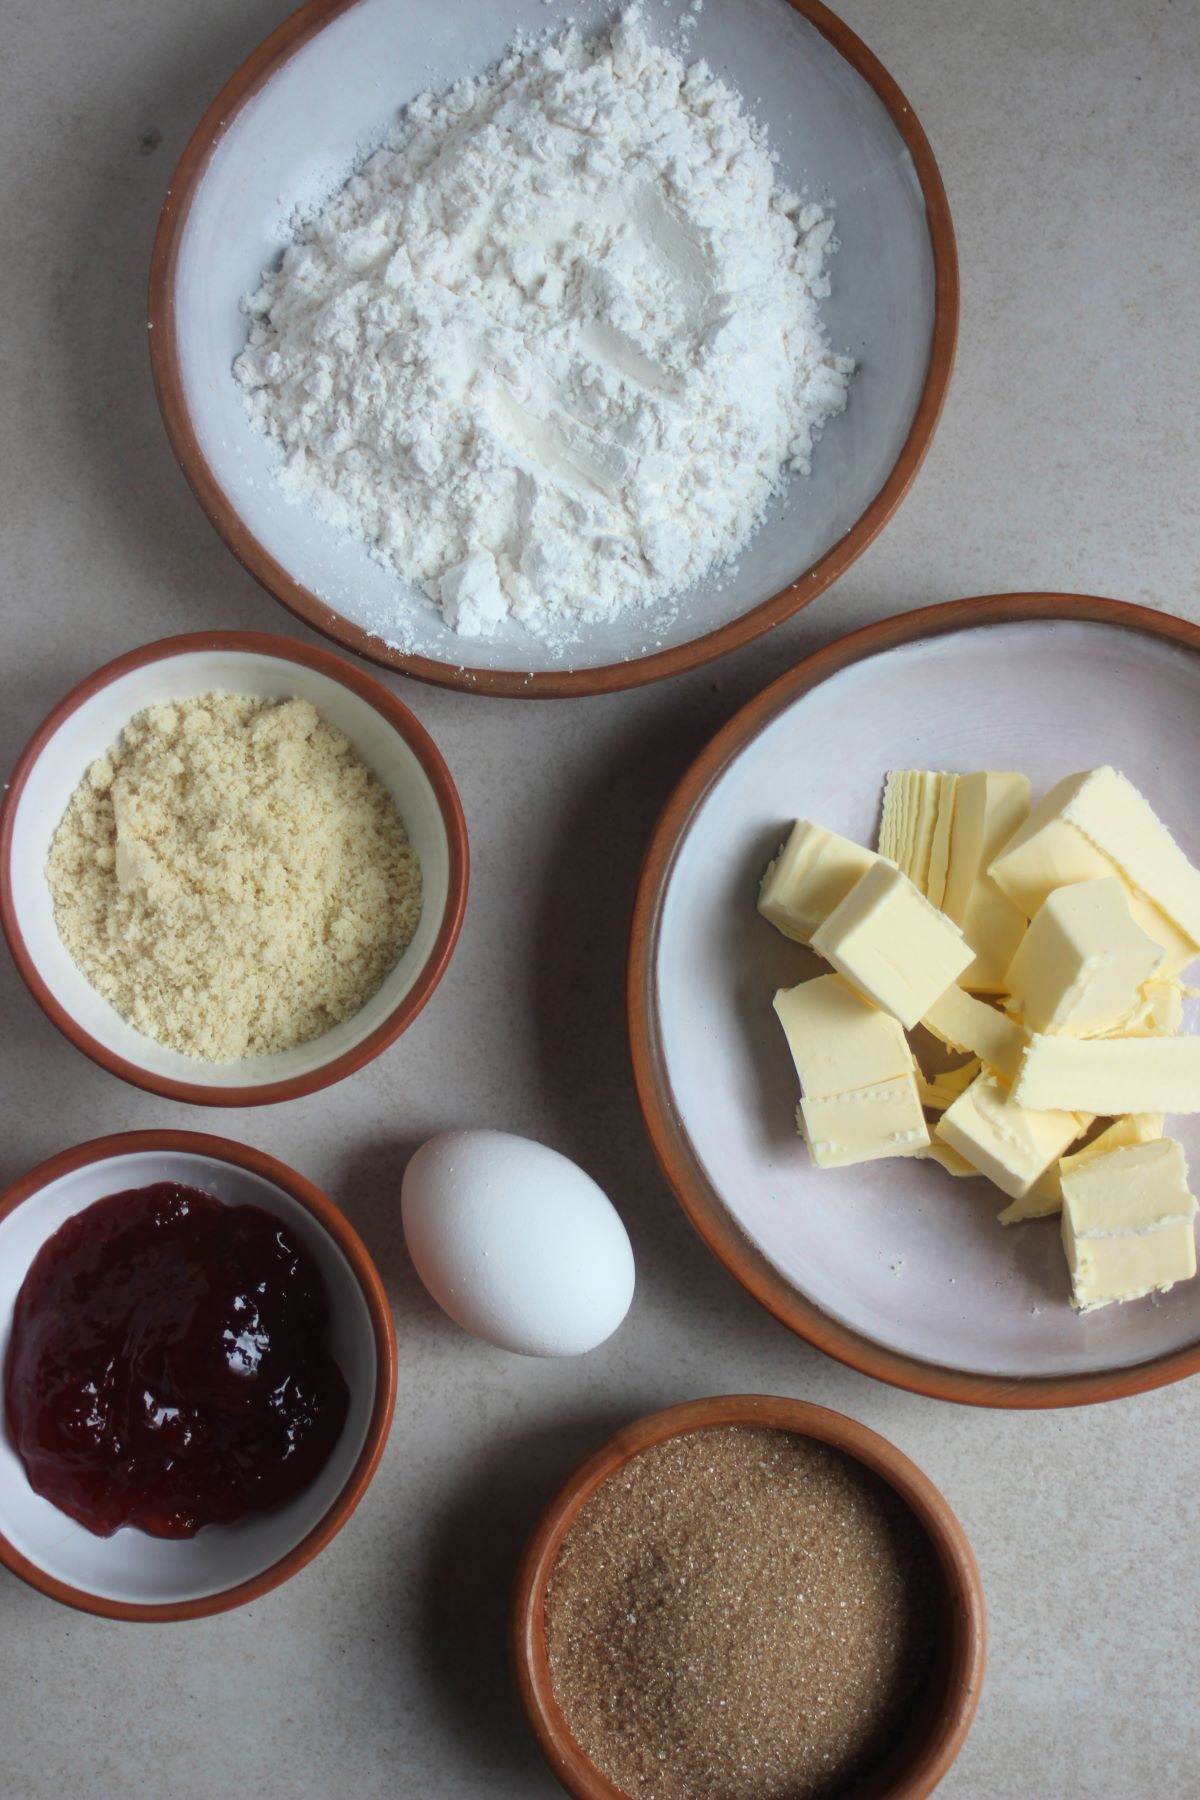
x,y
739,1614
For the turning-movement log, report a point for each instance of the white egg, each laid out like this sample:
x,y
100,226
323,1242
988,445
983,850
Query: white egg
x,y
516,1243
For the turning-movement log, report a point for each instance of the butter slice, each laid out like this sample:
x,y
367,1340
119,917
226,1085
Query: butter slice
x,y
1045,1196
1128,1223
989,806
949,1159
813,871
1134,1128
1083,962
1110,1076
1179,948
838,1041
872,1122
1096,824
893,946
915,829
1110,811
1159,1013
1007,1143
972,1025
1043,1200
942,831
942,1090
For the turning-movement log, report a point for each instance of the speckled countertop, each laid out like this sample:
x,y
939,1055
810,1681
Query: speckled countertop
x,y
1067,458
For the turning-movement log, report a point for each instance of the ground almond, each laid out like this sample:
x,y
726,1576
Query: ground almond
x,y
232,876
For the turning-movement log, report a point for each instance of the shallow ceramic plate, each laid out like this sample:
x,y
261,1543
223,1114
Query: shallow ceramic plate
x,y
326,87
893,1266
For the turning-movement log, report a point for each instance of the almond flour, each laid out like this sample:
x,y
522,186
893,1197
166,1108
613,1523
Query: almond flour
x,y
232,876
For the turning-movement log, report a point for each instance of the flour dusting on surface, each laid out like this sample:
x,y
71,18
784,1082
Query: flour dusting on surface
x,y
554,347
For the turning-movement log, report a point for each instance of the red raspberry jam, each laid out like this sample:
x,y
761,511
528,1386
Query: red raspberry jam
x,y
168,1366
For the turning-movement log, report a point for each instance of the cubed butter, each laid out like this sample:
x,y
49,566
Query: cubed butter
x,y
814,870
871,1122
942,831
1096,824
989,806
1110,1076
1048,851
1120,821
1082,964
1128,1223
971,1025
892,945
838,1041
1045,1196
993,928
857,1073
1009,1145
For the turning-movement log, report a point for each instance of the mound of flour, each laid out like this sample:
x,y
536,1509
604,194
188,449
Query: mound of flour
x,y
554,346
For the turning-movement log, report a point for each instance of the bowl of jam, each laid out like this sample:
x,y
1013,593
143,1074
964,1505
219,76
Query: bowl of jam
x,y
197,1375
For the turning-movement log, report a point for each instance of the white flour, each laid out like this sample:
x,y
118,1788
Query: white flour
x,y
556,344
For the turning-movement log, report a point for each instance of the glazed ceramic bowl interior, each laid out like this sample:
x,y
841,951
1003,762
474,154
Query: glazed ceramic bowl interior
x,y
274,670
287,133
894,1265
941,1714
131,1569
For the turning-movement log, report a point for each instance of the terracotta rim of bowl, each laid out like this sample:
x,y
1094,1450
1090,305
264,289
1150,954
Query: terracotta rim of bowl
x,y
334,1223
949,1725
406,726
257,69
674,1151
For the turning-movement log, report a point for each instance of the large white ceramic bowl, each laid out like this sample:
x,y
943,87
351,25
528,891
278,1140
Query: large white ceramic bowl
x,y
389,740
894,1266
132,1575
286,131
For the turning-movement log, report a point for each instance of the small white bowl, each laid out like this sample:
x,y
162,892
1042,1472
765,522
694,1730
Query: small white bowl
x,y
132,1575
286,131
389,740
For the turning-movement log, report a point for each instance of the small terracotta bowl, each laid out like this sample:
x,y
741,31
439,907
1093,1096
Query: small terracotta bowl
x,y
388,738
943,1714
132,1575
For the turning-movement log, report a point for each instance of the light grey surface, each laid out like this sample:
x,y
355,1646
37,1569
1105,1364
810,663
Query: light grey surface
x,y
1067,458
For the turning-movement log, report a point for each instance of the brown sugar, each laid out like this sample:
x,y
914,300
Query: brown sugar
x,y
740,1614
